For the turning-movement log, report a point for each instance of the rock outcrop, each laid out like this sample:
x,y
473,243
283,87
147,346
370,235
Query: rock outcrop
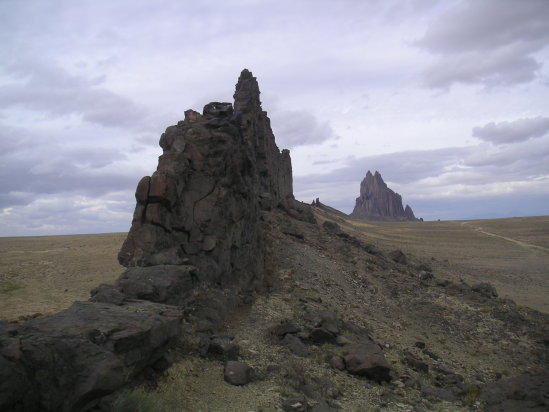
x,y
195,246
202,204
378,202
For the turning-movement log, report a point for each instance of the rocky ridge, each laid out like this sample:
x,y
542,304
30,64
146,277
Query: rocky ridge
x,y
349,325
378,202
195,251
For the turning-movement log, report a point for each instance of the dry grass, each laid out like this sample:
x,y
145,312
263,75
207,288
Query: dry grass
x,y
47,274
512,254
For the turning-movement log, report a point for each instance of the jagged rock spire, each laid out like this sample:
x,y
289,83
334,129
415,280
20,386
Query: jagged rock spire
x,y
246,96
378,202
202,204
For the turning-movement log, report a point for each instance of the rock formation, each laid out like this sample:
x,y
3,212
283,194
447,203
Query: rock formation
x,y
202,204
378,202
197,222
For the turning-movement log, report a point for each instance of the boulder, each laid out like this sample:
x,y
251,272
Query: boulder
x,y
67,361
295,404
526,393
398,256
367,359
283,329
297,347
486,290
238,373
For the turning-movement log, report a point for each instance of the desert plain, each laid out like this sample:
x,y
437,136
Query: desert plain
x,y
45,274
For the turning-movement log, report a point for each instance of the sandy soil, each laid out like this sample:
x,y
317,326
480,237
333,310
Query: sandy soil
x,y
48,273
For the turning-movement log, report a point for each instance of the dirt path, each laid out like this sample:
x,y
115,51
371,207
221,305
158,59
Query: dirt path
x,y
518,242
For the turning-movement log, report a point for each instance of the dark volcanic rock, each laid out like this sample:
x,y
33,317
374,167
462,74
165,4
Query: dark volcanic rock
x,y
107,294
398,256
486,290
367,360
337,362
521,393
202,204
284,328
171,284
378,202
66,361
415,363
321,335
293,343
238,373
223,348
295,404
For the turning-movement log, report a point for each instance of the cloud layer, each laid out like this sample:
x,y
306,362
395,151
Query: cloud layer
x,y
488,42
514,131
448,100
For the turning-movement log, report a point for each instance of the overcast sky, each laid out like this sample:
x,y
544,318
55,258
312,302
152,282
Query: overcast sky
x,y
448,100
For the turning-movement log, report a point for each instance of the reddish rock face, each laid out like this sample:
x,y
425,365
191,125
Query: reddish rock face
x,y
378,202
202,204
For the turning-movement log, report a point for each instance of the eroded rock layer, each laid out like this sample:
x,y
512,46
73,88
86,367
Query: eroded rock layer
x,y
378,202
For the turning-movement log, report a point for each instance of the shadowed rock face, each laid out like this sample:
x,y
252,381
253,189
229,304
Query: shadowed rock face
x,y
378,202
202,204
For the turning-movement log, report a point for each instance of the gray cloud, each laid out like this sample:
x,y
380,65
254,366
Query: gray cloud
x,y
93,84
473,172
63,213
299,128
489,42
340,187
31,167
515,131
402,167
45,88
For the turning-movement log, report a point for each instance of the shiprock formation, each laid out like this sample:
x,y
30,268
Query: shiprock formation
x,y
378,202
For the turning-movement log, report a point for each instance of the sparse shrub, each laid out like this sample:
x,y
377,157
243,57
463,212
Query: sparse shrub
x,y
472,394
7,287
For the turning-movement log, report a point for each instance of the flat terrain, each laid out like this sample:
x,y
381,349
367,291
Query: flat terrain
x,y
48,273
512,254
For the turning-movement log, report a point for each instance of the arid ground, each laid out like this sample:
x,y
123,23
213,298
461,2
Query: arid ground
x,y
512,254
43,275
46,274
465,335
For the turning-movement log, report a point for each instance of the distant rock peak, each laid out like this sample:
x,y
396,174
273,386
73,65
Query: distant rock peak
x,y
378,202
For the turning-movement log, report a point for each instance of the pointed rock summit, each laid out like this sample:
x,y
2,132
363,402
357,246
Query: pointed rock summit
x,y
378,202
